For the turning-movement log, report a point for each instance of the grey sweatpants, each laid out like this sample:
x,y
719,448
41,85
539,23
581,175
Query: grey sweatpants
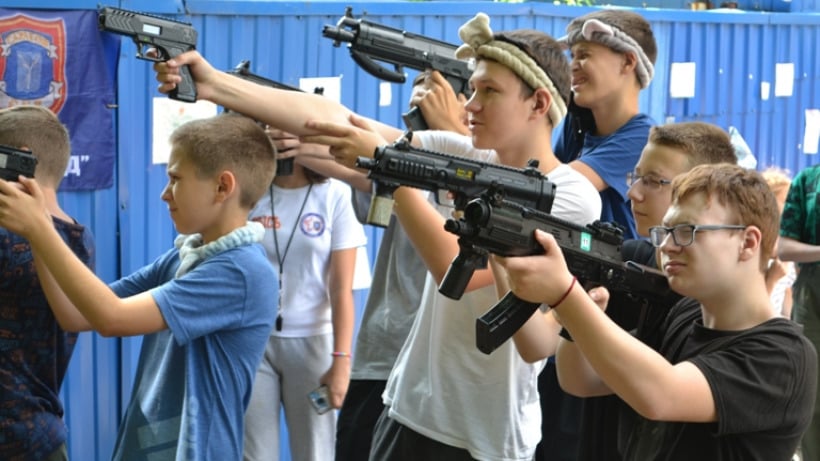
x,y
290,368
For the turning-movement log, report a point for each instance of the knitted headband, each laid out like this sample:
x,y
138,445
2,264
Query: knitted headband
x,y
615,39
478,41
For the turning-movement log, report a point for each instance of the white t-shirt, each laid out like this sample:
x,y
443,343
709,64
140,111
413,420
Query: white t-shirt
x,y
327,223
442,386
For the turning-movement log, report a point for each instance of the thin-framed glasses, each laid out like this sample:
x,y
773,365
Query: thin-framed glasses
x,y
684,234
649,181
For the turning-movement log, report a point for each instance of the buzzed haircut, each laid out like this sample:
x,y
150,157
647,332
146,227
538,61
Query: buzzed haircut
x,y
701,142
744,192
230,142
40,131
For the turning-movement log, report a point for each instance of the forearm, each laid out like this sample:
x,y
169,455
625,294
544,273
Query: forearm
x,y
538,338
79,287
283,109
638,374
425,228
789,249
575,375
330,168
67,316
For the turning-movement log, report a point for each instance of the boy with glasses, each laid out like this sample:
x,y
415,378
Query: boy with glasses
x,y
730,380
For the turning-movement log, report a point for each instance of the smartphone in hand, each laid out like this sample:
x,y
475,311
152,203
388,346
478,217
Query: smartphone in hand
x,y
320,399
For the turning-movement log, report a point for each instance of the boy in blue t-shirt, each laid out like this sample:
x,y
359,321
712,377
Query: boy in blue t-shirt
x,y
613,56
206,306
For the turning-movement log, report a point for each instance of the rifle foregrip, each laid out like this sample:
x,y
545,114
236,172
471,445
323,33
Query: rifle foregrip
x,y
498,324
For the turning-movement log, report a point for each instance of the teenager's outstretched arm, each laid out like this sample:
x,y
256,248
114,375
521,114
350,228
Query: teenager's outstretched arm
x,y
283,109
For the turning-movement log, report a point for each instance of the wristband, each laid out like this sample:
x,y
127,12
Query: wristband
x,y
340,354
566,293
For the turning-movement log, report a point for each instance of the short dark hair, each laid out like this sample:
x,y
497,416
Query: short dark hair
x,y
701,142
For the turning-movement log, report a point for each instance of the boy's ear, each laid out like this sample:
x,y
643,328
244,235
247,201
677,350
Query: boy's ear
x,y
541,101
630,62
750,246
226,185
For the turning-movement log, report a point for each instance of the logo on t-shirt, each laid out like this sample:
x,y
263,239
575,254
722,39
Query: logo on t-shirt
x,y
313,225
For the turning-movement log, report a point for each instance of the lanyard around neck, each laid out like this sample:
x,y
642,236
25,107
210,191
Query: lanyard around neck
x,y
280,257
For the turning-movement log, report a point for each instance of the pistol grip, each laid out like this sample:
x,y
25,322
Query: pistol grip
x,y
414,120
186,89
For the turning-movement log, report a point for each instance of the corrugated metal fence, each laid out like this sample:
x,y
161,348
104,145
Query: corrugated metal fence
x,y
735,54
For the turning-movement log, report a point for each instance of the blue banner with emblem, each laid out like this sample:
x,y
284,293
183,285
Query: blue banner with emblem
x,y
60,60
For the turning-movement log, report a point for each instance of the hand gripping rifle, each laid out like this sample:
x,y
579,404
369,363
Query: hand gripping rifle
x,y
370,42
592,253
400,164
168,37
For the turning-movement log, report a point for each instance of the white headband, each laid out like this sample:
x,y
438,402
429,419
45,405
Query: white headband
x,y
611,37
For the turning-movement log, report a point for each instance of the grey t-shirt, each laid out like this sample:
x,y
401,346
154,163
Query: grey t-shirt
x,y
395,293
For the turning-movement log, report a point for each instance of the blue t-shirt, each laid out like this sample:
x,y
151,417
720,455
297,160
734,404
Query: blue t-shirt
x,y
193,381
611,157
34,350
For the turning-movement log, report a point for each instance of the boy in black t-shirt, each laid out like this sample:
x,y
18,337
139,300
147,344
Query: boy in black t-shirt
x,y
730,380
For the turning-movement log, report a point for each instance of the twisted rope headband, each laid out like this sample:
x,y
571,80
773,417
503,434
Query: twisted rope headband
x,y
478,41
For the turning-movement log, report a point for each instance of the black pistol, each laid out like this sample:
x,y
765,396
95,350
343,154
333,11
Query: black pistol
x,y
16,162
168,37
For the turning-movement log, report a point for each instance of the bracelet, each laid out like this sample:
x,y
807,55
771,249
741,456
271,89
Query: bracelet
x,y
566,293
341,354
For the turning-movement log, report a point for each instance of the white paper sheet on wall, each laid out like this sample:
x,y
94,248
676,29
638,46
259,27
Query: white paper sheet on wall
x,y
811,135
168,114
783,79
682,80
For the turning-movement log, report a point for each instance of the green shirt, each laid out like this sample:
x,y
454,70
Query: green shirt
x,y
801,216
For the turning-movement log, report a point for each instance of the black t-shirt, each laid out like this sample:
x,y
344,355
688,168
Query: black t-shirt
x,y
763,381
607,420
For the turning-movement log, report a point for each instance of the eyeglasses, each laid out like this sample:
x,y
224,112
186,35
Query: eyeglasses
x,y
649,181
684,234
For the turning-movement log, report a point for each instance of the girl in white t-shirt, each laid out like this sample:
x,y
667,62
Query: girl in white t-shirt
x,y
311,239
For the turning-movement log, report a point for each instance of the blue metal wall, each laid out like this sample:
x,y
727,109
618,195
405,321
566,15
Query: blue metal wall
x,y
734,53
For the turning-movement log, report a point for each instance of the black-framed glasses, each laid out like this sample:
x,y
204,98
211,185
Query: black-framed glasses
x,y
684,234
649,181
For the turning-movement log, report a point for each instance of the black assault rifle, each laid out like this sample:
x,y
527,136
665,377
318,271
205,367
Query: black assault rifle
x,y
168,37
369,42
284,167
592,253
400,164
